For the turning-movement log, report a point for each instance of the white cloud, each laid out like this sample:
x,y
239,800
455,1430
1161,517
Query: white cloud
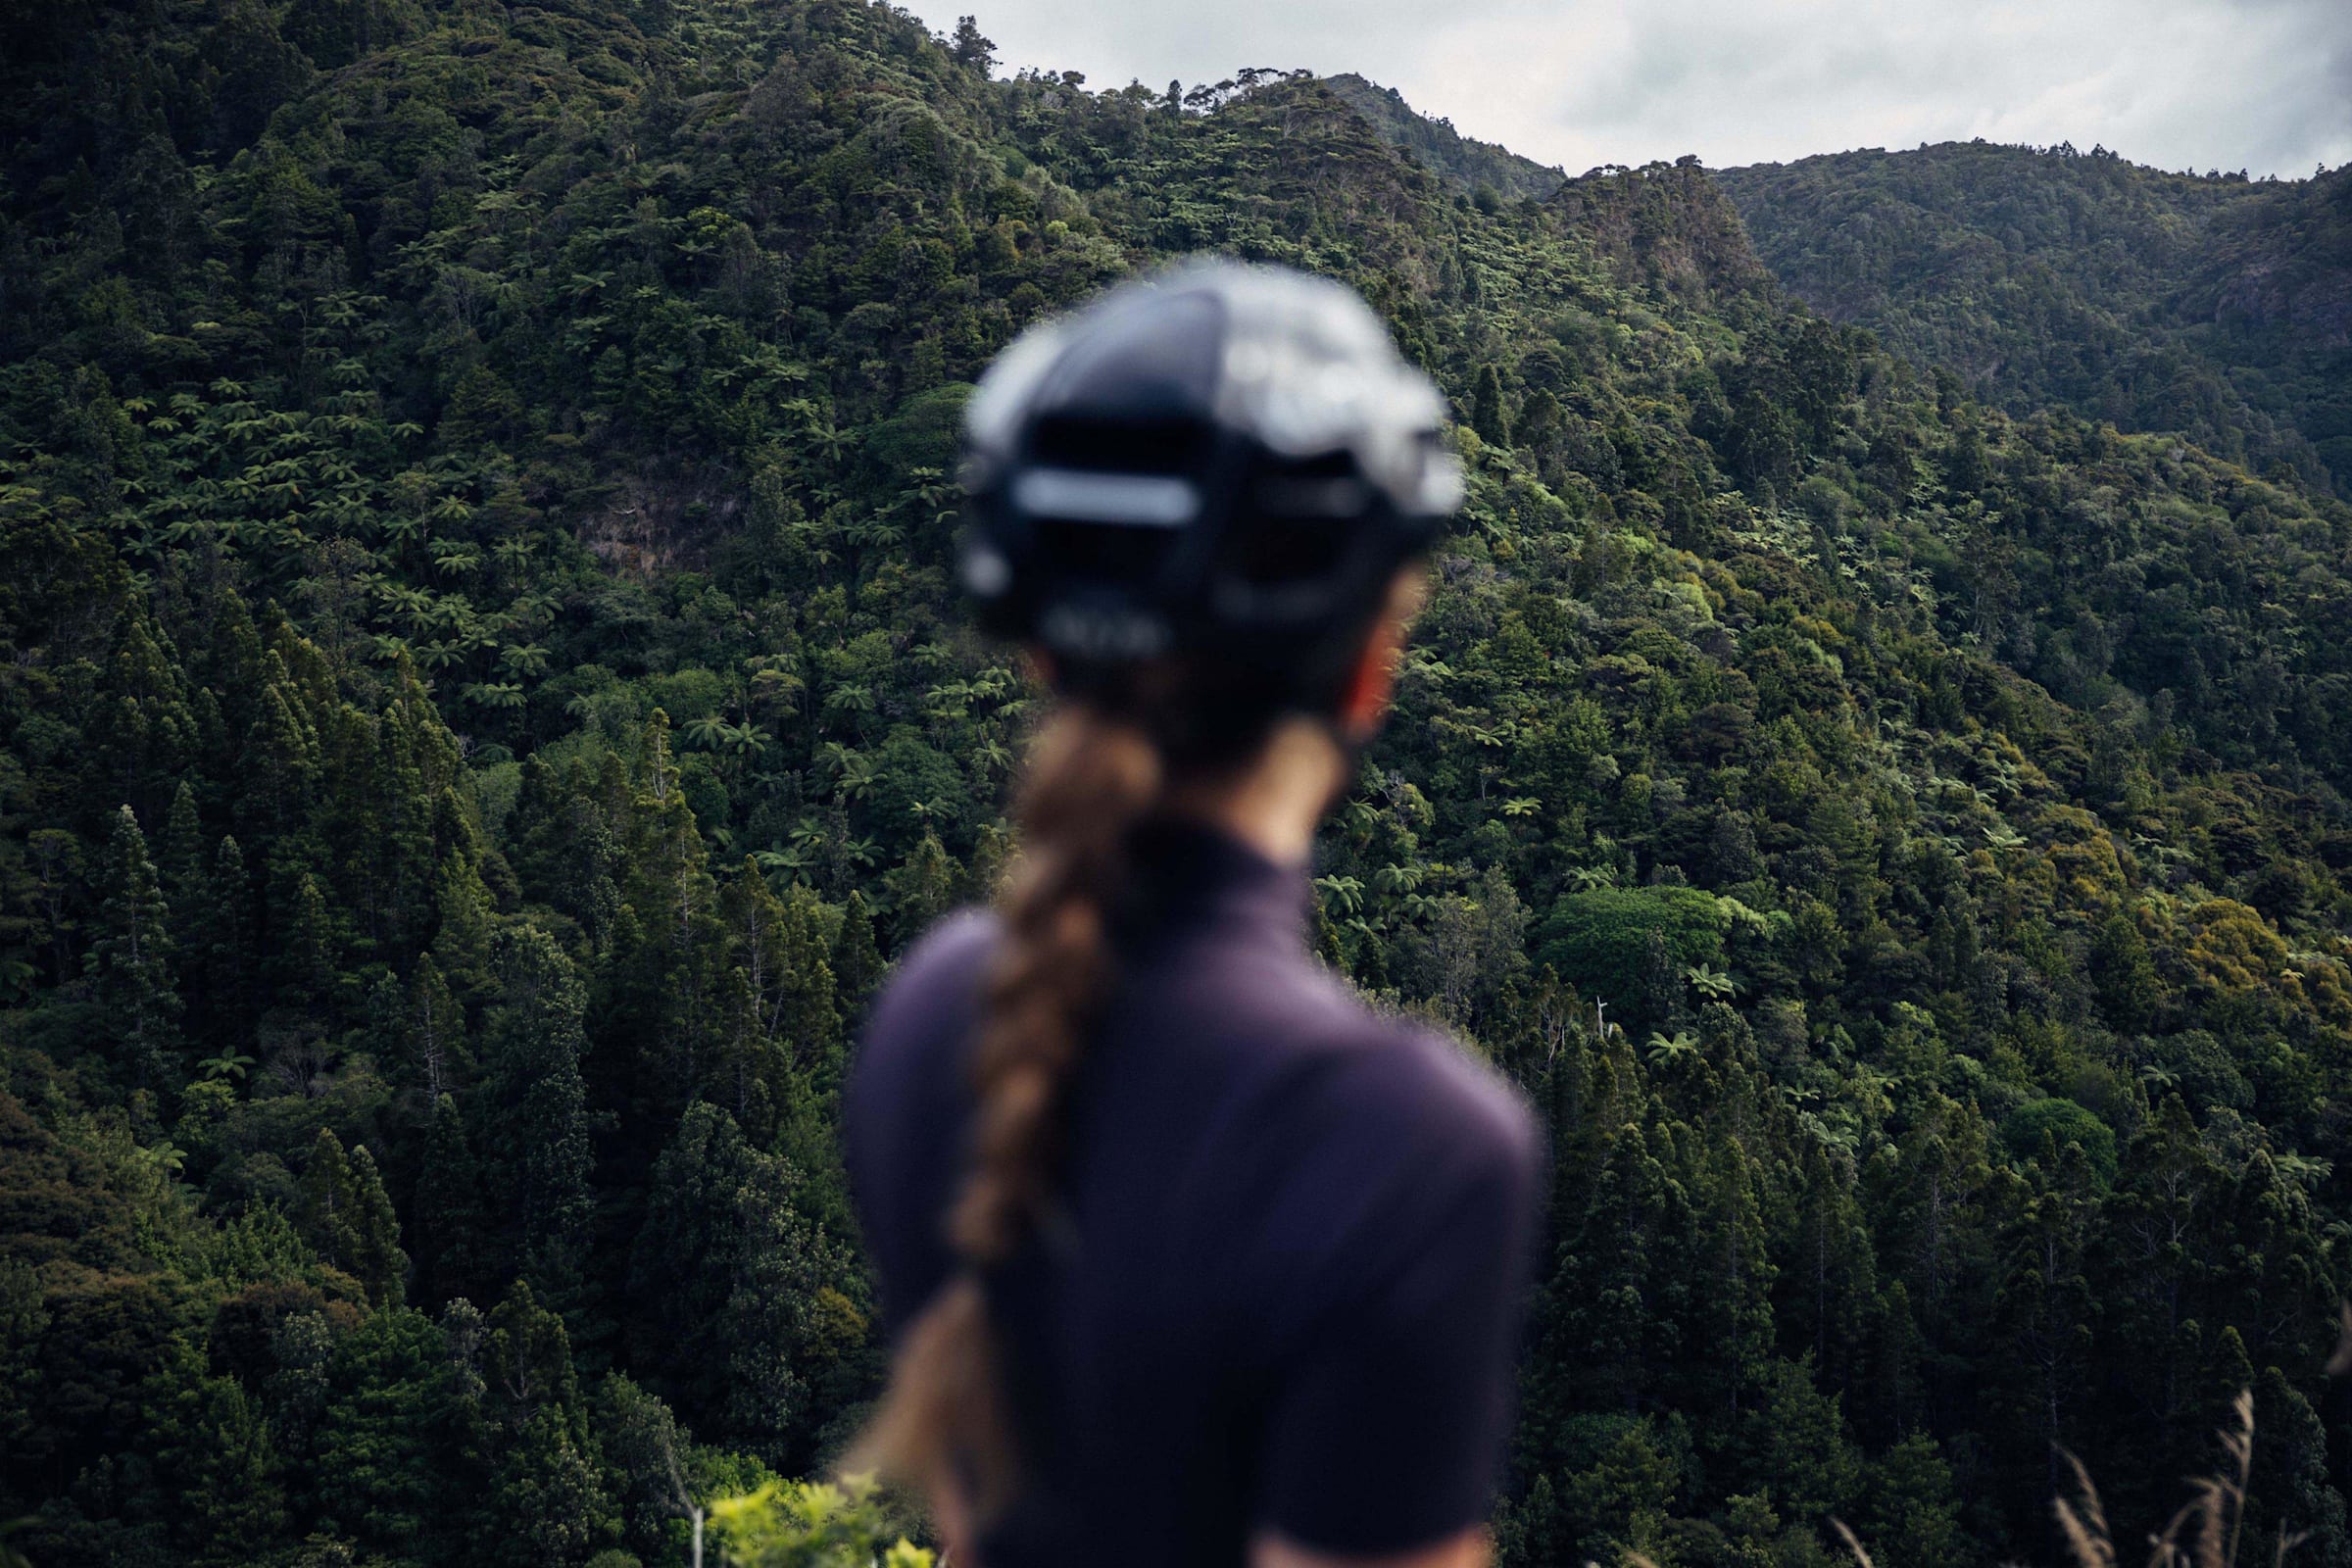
x,y
2260,84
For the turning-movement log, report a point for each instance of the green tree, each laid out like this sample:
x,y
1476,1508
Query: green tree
x,y
547,1496
327,1210
375,1234
1798,1451
213,1444
449,1222
969,48
1910,1513
130,960
856,961
392,1451
922,888
533,1117
1487,416
747,1309
2123,974
230,959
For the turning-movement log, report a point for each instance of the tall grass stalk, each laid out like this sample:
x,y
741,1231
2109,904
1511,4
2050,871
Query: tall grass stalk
x,y
2208,1531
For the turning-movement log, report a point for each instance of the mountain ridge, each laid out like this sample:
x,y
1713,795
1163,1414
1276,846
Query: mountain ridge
x,y
2212,305
1463,162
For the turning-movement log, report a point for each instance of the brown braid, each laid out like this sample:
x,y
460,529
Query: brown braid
x,y
1092,776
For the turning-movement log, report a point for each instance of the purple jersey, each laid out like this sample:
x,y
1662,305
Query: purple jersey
x,y
1287,1292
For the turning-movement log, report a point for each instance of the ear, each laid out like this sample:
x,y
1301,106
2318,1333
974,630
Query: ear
x,y
1365,700
1364,703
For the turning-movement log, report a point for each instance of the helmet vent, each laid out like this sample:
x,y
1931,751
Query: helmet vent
x,y
1103,551
1117,446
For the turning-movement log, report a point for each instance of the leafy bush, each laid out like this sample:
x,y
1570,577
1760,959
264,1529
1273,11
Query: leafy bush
x,y
811,1524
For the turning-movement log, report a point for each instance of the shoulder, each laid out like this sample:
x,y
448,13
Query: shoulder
x,y
1418,1074
1408,1088
1396,1148
903,1084
923,1009
939,975
904,1107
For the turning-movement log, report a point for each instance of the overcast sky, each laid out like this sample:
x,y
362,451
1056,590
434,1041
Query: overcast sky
x,y
2264,85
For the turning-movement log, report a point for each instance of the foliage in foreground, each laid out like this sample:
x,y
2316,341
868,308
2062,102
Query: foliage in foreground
x,y
812,1525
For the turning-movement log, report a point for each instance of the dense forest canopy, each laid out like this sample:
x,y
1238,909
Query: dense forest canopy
x,y
483,705
2210,304
1486,172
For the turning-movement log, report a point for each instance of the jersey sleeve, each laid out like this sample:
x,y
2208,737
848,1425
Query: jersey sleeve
x,y
1388,1418
904,1110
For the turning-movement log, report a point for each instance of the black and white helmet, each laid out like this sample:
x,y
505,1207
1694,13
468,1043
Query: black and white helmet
x,y
1222,462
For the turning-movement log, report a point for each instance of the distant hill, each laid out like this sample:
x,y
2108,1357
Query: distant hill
x,y
2215,306
1667,226
1460,161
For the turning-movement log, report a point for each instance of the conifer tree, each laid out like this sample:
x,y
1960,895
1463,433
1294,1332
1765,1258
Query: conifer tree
x,y
527,1360
534,1108
1487,415
375,1234
213,1442
660,1472
1798,1451
1826,1291
2150,1261
304,962
185,878
549,1499
727,1274
228,959
2122,974
461,947
674,946
130,960
395,1454
1740,1275
857,958
922,888
1910,1514
969,48
279,762
326,1210
447,1213
140,731
779,989
2291,1493
401,813
1665,1006
2042,1299
433,1033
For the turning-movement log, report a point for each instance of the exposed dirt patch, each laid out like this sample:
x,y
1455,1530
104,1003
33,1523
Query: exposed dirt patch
x,y
651,526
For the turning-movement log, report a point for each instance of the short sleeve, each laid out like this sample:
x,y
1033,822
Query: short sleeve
x,y
903,1112
1388,1422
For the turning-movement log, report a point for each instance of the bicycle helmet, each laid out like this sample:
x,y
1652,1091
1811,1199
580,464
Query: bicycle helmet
x,y
1227,463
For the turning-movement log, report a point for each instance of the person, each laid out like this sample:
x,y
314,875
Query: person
x,y
1190,1256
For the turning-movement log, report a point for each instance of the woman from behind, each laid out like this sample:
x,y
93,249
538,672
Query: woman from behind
x,y
1187,1256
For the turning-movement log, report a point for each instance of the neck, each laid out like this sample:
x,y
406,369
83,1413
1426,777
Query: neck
x,y
1273,801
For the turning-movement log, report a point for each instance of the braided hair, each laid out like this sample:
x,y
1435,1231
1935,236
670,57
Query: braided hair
x,y
1092,776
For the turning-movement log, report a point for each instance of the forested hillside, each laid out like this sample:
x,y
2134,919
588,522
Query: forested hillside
x,y
2213,305
483,704
1462,162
